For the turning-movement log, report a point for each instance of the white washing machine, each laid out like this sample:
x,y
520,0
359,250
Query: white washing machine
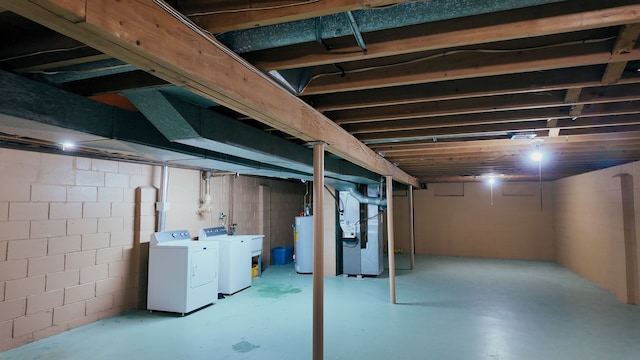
x,y
236,252
183,274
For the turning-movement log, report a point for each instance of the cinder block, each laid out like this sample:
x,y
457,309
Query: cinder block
x,y
104,165
146,209
94,210
126,210
31,323
88,319
14,189
64,244
56,175
89,178
116,180
111,224
63,279
120,268
82,226
83,163
22,249
94,273
45,265
109,286
110,194
44,301
79,292
82,194
130,168
14,230
3,250
99,304
140,180
147,222
48,228
122,238
114,311
24,287
109,254
67,313
28,211
128,223
80,259
128,195
13,269
95,241
65,210
4,211
45,193
12,309
6,331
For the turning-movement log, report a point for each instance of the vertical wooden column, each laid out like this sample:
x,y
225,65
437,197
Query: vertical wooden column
x,y
391,245
411,232
318,251
630,242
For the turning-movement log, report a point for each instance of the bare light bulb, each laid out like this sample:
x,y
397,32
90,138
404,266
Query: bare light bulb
x,y
536,156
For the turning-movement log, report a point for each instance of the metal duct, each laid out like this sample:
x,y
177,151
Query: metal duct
x,y
337,25
189,124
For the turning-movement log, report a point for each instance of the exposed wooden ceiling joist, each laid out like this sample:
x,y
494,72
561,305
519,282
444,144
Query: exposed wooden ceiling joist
x,y
143,34
223,16
515,24
459,66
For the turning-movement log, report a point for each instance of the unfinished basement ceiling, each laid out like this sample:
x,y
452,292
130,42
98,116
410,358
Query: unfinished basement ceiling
x,y
446,90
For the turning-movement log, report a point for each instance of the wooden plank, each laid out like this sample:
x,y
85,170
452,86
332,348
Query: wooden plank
x,y
229,16
461,66
521,23
142,34
572,95
451,107
624,43
521,83
72,10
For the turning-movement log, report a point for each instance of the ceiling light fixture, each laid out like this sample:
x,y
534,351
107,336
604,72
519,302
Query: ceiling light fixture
x,y
67,145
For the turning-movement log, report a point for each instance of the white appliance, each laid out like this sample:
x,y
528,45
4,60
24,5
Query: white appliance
x,y
183,274
236,252
304,244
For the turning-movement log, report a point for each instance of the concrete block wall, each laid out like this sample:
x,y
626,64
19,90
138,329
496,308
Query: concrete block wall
x,y
74,233
66,242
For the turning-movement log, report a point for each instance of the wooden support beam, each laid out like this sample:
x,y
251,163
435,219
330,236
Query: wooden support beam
x,y
231,16
318,251
624,43
412,237
149,36
572,95
520,23
390,241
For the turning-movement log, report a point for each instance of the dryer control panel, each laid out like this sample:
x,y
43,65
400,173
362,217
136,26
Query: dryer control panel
x,y
166,236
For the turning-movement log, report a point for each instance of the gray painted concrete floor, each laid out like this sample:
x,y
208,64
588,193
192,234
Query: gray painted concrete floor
x,y
448,308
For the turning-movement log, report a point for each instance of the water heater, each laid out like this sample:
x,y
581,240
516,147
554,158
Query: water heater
x,y
304,244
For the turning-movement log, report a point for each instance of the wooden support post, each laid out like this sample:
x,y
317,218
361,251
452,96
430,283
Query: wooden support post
x,y
391,246
411,232
318,251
